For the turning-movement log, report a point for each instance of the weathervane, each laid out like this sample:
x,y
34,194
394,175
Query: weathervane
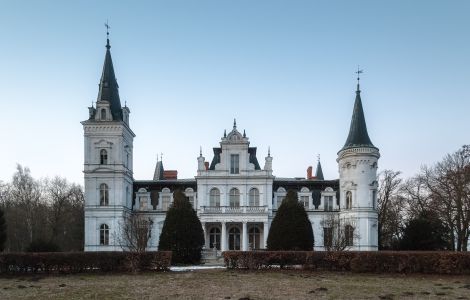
x,y
107,28
358,72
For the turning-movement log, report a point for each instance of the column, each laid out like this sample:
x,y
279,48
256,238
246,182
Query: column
x,y
223,239
265,234
245,237
205,234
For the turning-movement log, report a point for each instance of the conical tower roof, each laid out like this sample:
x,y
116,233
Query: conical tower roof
x,y
319,172
358,136
108,87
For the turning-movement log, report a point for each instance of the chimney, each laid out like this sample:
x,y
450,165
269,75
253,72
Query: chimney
x,y
206,164
170,174
309,173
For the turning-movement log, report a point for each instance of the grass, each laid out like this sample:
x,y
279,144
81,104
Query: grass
x,y
223,284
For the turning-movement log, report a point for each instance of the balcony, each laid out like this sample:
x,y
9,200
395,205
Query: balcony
x,y
234,209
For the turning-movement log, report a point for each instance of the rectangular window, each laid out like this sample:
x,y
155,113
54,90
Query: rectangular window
x,y
327,236
234,164
328,203
166,202
191,200
279,200
304,201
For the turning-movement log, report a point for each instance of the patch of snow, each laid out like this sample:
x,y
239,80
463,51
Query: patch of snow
x,y
194,268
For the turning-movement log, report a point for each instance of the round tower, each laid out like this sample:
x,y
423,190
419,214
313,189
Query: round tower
x,y
357,162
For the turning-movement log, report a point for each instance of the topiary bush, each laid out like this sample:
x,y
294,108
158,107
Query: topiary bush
x,y
182,232
290,229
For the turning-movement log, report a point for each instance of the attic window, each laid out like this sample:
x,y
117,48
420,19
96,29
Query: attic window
x,y
103,114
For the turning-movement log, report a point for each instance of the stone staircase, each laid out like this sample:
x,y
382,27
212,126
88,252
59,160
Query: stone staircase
x,y
212,257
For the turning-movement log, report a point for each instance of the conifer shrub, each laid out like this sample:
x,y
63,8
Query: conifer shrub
x,y
182,232
290,229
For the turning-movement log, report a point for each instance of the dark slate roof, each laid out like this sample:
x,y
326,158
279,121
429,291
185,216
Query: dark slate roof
x,y
358,136
315,186
319,172
108,88
216,158
158,174
253,159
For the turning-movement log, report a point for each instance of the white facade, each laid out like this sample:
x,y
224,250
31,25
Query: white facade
x,y
234,197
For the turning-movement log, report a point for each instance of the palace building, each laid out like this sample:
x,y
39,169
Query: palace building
x,y
234,195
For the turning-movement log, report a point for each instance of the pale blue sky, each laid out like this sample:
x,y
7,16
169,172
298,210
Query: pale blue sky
x,y
284,69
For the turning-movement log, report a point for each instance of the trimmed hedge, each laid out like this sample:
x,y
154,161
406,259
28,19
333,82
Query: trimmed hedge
x,y
372,262
79,262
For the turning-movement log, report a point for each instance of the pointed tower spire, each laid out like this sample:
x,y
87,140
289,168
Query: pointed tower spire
x,y
319,171
108,87
358,136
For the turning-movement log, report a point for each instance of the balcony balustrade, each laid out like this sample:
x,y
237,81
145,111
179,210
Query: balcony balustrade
x,y
234,209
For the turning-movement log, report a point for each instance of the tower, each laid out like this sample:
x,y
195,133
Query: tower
x,y
357,162
108,164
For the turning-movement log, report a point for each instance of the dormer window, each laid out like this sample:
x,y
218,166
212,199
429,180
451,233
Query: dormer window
x,y
103,157
234,164
103,114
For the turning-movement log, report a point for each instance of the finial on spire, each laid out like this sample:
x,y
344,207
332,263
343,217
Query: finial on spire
x,y
107,34
269,151
318,157
200,151
161,156
358,72
125,103
225,133
244,133
92,103
234,123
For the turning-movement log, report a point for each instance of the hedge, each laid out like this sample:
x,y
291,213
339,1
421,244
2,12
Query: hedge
x,y
79,262
372,262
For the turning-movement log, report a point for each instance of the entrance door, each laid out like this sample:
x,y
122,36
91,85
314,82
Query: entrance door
x,y
214,238
254,237
234,238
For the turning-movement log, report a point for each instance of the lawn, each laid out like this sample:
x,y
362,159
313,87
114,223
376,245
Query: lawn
x,y
223,284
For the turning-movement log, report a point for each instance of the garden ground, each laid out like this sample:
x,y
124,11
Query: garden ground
x,y
227,284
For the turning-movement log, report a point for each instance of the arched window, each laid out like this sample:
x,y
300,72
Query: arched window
x,y
103,114
234,198
214,238
348,200
234,238
254,237
349,235
254,197
104,234
104,195
103,157
214,197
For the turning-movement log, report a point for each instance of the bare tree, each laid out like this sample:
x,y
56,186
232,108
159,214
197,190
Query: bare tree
x,y
136,231
390,208
448,183
339,233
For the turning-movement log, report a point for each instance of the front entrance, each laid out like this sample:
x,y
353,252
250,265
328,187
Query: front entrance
x,y
254,237
214,238
234,238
